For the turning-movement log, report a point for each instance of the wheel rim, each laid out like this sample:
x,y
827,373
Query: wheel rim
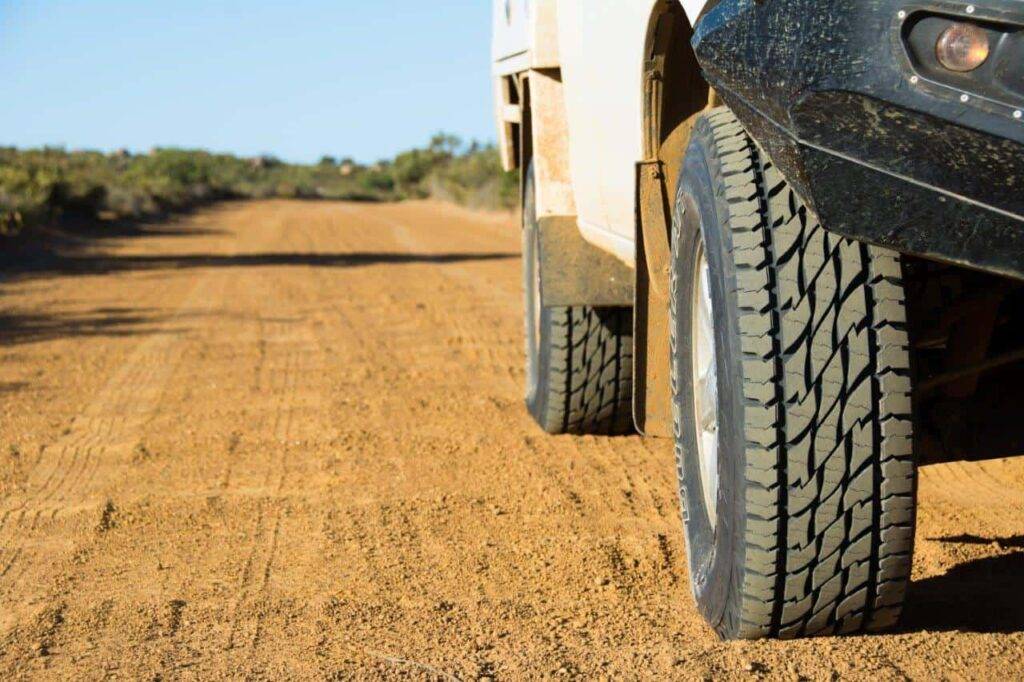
x,y
535,291
531,283
705,384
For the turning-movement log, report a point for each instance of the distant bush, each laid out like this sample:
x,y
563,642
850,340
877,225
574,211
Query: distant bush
x,y
42,185
475,179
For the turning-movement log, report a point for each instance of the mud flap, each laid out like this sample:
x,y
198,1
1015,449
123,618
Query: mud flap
x,y
575,272
652,391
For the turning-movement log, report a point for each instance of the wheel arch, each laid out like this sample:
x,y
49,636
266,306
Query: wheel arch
x,y
674,94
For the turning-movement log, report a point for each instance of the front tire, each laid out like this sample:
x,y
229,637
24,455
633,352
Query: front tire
x,y
807,527
579,359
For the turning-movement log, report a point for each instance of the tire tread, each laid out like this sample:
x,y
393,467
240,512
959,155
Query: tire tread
x,y
829,473
590,380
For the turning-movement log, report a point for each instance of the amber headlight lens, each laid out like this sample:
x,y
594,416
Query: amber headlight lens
x,y
962,47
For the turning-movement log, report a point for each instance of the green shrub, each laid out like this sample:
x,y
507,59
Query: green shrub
x,y
40,185
475,179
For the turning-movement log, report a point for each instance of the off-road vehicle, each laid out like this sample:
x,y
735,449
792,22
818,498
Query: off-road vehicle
x,y
788,234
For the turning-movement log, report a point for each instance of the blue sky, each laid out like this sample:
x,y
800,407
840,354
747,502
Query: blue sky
x,y
295,78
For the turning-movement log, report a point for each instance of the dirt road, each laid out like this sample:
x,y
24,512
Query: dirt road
x,y
285,439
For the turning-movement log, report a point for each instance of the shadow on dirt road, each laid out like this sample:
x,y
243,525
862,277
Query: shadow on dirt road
x,y
102,264
17,328
980,595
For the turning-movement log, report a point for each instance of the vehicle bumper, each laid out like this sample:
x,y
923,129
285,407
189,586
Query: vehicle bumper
x,y
880,144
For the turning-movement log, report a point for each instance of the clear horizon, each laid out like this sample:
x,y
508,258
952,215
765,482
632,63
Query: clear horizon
x,y
315,78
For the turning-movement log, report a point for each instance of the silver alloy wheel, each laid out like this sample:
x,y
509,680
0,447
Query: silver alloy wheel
x,y
705,384
535,290
531,283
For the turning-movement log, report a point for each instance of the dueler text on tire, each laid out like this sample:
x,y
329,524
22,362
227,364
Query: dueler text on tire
x,y
579,376
791,396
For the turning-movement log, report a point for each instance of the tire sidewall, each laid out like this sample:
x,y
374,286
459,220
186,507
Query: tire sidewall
x,y
537,323
715,553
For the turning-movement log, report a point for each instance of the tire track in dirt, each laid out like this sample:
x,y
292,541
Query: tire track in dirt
x,y
985,482
118,411
76,474
474,295
286,349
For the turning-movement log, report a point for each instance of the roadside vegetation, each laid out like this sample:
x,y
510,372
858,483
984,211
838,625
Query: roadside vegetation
x,y
46,186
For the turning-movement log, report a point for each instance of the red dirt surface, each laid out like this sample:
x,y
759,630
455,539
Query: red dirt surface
x,y
285,440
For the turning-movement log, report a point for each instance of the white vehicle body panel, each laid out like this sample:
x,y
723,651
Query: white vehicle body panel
x,y
511,35
601,48
600,51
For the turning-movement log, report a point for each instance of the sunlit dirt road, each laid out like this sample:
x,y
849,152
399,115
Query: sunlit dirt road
x,y
284,439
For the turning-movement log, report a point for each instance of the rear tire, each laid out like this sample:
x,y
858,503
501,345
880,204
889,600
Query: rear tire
x,y
810,526
579,358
